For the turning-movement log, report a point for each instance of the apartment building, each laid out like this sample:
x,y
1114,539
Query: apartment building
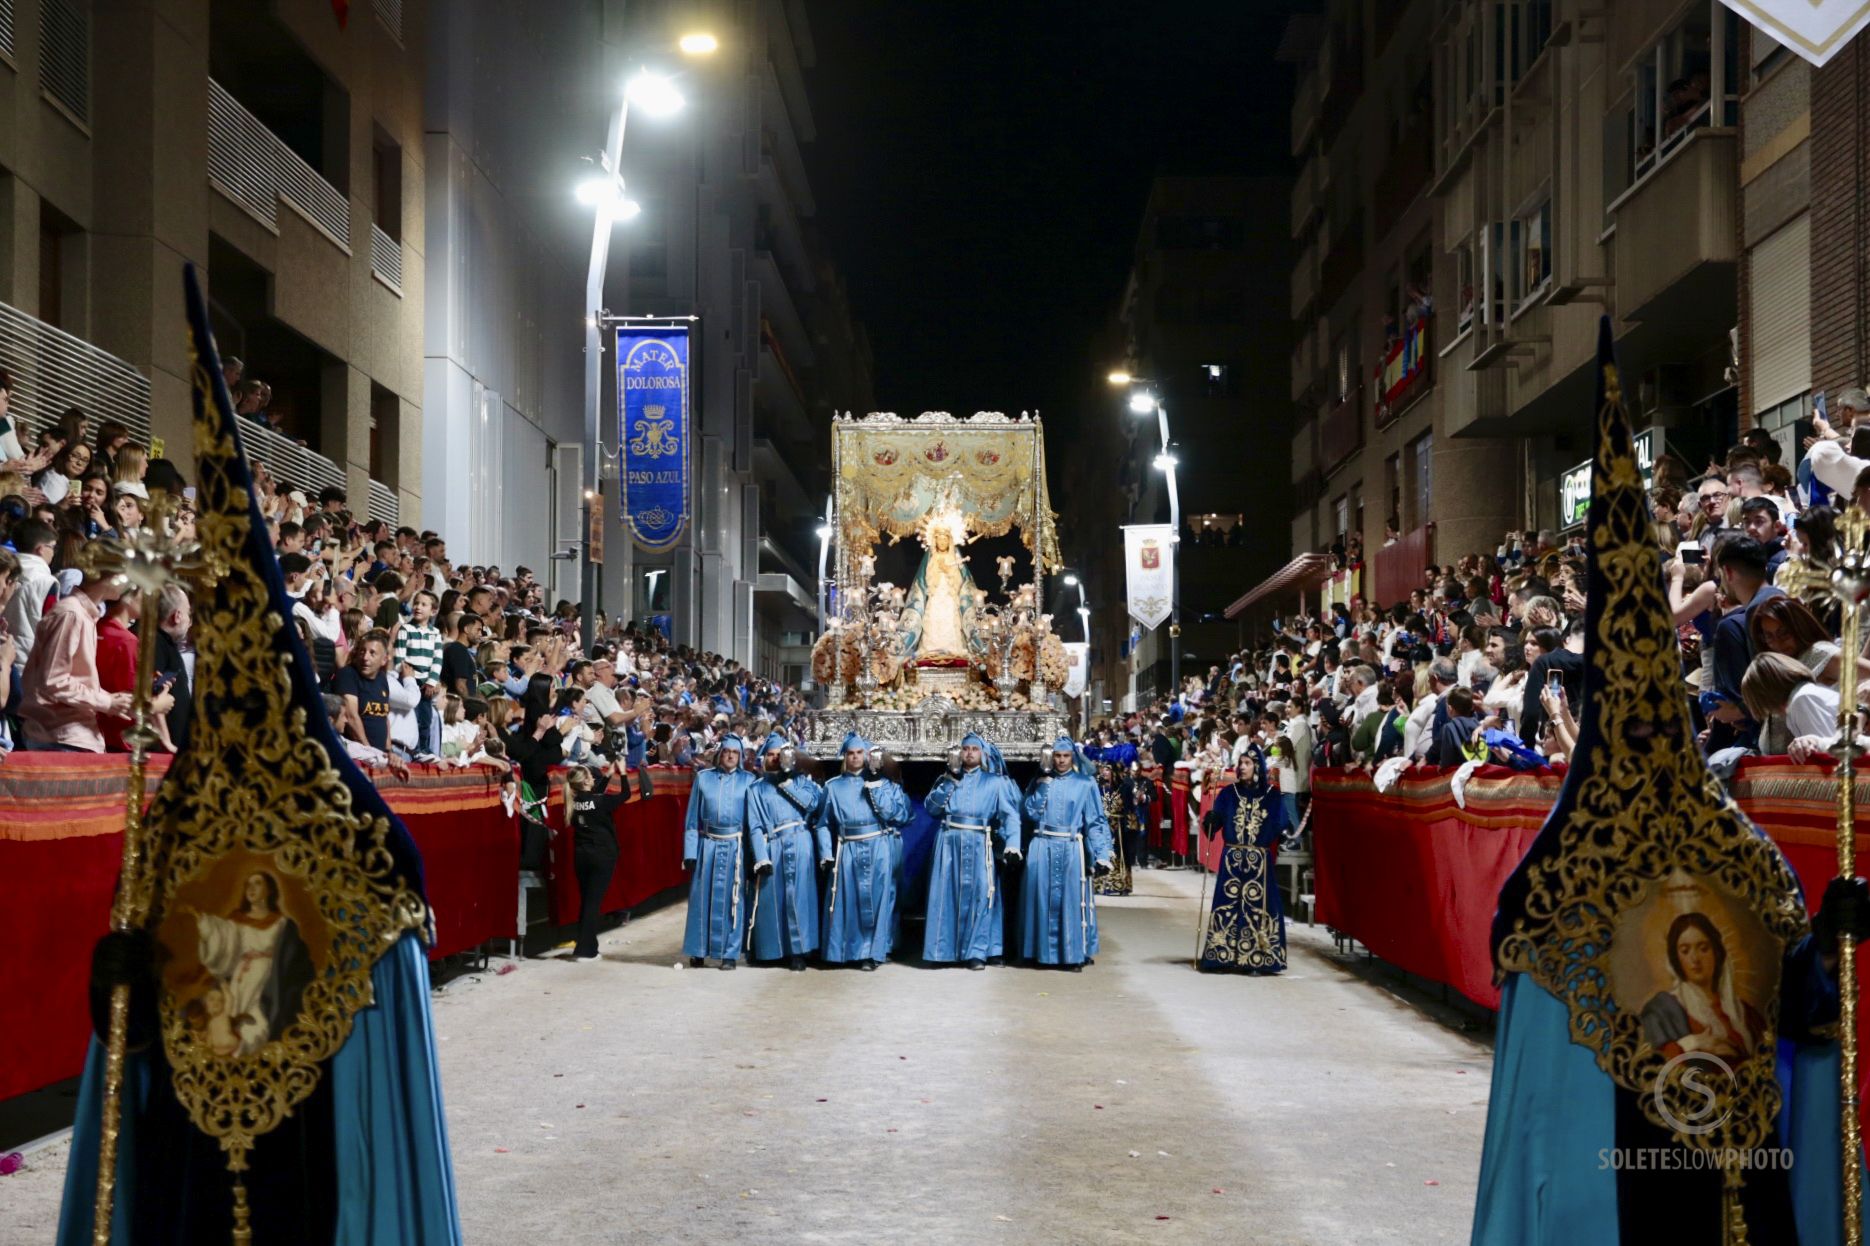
x,y
278,148
1193,329
1529,166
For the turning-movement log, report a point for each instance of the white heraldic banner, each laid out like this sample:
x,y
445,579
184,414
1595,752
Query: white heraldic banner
x,y
1815,29
1149,565
1077,658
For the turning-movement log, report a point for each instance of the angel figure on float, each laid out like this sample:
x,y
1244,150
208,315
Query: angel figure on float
x,y
943,590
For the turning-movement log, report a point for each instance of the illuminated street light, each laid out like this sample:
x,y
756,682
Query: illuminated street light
x,y
1119,377
1142,402
655,94
1071,579
698,43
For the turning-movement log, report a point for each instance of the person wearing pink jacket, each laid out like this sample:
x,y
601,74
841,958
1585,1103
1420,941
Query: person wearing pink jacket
x,y
61,694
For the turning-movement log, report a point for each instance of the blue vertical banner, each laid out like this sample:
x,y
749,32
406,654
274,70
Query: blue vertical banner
x,y
653,406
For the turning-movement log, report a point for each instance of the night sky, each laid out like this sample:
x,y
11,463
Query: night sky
x,y
980,171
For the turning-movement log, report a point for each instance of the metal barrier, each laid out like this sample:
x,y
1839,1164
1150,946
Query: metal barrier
x,y
383,503
253,166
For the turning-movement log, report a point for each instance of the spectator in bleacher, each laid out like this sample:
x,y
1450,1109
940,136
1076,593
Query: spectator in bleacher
x,y
65,473
1741,562
62,698
111,437
127,511
116,672
460,637
175,659
1760,519
365,686
9,651
37,587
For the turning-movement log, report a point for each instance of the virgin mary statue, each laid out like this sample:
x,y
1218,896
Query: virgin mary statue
x,y
943,592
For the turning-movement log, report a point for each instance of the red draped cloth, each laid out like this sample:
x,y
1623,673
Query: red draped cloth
x,y
1178,812
1415,877
61,822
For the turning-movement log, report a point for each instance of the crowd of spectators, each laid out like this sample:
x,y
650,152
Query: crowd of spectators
x,y
420,658
1483,663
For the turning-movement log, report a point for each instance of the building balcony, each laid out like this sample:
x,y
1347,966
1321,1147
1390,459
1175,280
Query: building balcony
x,y
1305,110
1305,281
1675,243
779,230
54,370
1341,432
1308,367
298,467
1308,193
1406,373
255,169
777,307
1404,175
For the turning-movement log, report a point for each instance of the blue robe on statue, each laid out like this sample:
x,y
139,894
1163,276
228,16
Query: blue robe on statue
x,y
716,839
780,811
964,914
857,826
1246,928
1058,919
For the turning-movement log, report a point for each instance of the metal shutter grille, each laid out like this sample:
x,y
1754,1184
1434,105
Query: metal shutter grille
x,y
65,55
6,29
1780,314
53,370
390,13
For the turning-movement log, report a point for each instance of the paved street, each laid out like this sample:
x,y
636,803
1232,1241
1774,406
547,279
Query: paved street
x,y
629,1101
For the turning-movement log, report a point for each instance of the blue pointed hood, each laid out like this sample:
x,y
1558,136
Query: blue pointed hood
x,y
854,741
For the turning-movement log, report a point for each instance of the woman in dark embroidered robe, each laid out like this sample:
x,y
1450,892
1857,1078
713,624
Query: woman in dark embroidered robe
x,y
1246,929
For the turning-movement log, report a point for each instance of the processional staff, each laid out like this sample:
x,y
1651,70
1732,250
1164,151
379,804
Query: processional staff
x,y
1846,581
147,562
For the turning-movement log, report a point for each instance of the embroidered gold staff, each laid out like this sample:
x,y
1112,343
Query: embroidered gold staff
x,y
1847,583
145,562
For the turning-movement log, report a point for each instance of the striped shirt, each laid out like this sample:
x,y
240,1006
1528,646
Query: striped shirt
x,y
421,647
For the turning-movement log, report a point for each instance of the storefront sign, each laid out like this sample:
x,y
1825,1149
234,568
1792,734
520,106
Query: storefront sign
x,y
653,410
1574,486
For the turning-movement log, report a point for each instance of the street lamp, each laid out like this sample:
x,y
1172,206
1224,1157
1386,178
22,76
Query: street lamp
x,y
826,528
656,95
1144,400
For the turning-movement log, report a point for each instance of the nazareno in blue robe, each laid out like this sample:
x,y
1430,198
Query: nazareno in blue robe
x,y
964,914
1246,928
857,827
1058,918
715,837
785,912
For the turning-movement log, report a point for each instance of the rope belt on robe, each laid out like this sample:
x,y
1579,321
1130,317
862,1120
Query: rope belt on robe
x,y
949,825
873,830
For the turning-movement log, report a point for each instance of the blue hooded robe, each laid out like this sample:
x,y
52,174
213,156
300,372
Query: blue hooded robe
x,y
964,914
780,811
716,839
857,827
1058,919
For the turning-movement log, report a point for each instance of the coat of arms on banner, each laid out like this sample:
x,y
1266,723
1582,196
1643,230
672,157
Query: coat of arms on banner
x,y
1150,555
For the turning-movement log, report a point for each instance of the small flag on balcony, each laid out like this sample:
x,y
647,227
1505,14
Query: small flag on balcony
x,y
1816,29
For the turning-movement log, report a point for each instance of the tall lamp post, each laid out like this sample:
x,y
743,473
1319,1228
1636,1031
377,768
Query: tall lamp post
x,y
1143,400
1084,621
655,95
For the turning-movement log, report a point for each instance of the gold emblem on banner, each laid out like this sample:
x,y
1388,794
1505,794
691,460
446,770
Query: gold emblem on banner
x,y
1662,917
270,896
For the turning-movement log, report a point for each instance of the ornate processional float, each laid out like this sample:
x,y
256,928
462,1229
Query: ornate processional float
x,y
917,665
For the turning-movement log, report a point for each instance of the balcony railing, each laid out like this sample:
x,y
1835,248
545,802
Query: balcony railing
x,y
390,13
1305,111
253,166
1305,280
383,503
53,370
1306,196
386,258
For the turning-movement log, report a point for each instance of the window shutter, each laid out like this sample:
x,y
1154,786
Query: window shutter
x,y
1780,311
